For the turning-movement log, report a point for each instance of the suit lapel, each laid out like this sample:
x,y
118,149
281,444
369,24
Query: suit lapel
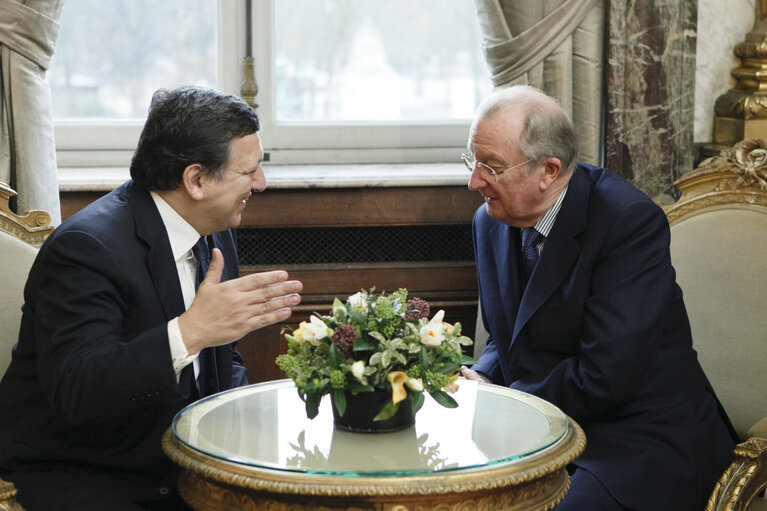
x,y
560,251
504,242
159,258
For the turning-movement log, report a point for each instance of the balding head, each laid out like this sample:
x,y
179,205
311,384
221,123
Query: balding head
x,y
547,130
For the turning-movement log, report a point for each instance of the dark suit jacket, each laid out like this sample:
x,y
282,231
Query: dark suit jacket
x,y
601,331
91,387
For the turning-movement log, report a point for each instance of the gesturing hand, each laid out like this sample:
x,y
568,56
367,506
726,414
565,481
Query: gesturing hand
x,y
225,311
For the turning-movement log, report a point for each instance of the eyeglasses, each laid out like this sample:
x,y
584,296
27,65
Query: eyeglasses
x,y
472,164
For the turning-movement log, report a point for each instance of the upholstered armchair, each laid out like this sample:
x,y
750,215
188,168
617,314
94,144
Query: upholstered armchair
x,y
20,237
719,251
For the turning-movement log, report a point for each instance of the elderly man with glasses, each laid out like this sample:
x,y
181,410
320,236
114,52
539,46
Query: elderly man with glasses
x,y
580,300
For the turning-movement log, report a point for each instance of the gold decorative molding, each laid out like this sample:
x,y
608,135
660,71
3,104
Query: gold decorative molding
x,y
249,88
737,105
537,482
741,112
8,497
737,176
32,227
206,495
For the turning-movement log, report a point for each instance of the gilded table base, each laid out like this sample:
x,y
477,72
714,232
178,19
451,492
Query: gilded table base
x,y
537,482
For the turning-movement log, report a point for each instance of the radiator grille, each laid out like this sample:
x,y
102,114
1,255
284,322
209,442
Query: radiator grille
x,y
263,247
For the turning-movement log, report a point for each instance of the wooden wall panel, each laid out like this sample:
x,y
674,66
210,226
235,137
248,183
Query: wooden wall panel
x,y
446,285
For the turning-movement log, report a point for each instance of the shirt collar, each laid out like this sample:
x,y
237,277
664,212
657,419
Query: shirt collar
x,y
181,234
546,222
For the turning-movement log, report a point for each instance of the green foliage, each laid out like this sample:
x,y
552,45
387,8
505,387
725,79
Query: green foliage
x,y
427,351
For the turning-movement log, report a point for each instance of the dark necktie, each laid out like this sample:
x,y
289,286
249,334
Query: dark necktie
x,y
202,254
530,238
208,380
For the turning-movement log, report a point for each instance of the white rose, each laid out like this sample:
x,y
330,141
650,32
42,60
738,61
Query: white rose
x,y
359,301
313,331
358,371
431,332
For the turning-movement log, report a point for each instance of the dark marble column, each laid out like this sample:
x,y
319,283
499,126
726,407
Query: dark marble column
x,y
651,92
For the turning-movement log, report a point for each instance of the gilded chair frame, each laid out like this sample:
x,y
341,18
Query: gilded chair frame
x,y
735,178
32,228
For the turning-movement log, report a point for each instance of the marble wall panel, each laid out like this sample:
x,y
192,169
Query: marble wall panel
x,y
650,92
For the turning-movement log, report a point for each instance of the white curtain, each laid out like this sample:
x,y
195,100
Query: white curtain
x,y
557,46
28,33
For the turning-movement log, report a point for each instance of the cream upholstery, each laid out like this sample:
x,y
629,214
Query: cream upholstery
x,y
719,251
19,238
17,260
20,235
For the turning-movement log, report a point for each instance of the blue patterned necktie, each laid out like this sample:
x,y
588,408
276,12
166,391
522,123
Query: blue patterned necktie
x,y
530,238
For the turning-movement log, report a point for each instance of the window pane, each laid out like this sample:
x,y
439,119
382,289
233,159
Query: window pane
x,y
111,56
372,60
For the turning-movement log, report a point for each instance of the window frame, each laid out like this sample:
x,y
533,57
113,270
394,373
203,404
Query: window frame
x,y
356,142
97,143
110,143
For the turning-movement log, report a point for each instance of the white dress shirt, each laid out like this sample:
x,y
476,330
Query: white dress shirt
x,y
182,237
546,222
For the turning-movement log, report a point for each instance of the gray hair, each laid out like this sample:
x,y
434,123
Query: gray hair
x,y
547,130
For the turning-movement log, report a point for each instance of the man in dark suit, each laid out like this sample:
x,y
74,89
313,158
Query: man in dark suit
x,y
584,311
115,338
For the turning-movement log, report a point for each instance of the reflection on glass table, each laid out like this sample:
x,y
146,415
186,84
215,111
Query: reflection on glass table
x,y
256,443
266,426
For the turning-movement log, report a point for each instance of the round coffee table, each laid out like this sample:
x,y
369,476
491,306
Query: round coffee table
x,y
254,448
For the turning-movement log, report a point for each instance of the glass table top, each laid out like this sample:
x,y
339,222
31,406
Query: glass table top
x,y
265,425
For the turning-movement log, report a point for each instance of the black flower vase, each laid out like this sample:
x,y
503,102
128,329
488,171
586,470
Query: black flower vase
x,y
362,408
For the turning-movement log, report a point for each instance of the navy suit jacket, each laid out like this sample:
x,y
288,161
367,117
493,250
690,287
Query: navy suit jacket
x,y
91,386
601,331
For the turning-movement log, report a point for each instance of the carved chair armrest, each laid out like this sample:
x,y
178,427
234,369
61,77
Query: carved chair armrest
x,y
746,477
32,227
8,497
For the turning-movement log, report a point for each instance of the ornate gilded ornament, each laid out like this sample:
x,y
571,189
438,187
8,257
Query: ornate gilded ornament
x,y
8,497
744,479
747,159
536,483
32,227
738,175
741,106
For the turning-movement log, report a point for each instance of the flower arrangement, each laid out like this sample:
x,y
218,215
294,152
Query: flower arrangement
x,y
373,342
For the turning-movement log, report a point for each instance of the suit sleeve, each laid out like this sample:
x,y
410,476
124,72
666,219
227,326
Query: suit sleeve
x,y
239,371
632,283
90,368
489,363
